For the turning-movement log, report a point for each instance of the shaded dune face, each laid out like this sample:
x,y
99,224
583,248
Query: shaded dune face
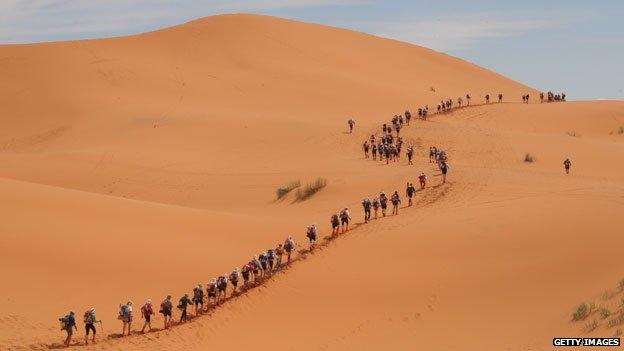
x,y
135,167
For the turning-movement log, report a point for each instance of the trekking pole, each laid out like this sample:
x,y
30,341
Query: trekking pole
x,y
101,326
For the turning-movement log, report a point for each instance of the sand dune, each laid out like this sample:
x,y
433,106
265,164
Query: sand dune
x,y
134,167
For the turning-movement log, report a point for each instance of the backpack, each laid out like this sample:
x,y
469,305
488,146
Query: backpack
x,y
64,320
288,245
88,318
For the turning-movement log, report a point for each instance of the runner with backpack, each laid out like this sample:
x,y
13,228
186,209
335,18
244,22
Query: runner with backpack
x,y
567,164
289,246
366,147
234,276
410,191
222,283
444,169
383,201
344,220
351,123
374,151
279,253
487,98
68,324
198,298
367,204
376,206
263,264
335,223
146,313
211,290
408,116
396,200
422,178
183,306
410,154
89,320
270,260
312,234
245,273
500,98
166,308
125,315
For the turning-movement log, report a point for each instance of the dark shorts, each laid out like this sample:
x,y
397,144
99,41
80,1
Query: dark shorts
x,y
344,221
222,288
69,330
199,301
384,206
234,282
148,318
212,294
264,265
335,225
89,326
166,313
245,275
312,237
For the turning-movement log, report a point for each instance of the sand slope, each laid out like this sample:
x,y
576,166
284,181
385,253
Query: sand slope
x,y
134,167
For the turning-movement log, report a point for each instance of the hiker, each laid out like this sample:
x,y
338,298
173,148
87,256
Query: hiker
x,y
374,151
423,180
541,97
279,253
211,291
396,200
245,273
387,153
146,313
384,128
366,203
335,223
222,283
375,203
255,269
408,116
562,97
487,98
198,298
410,191
365,147
289,246
459,101
432,153
183,305
166,308
527,98
89,320
125,315
344,220
467,99
312,233
234,276
383,201
410,154
270,260
500,98
68,323
263,263
444,168
351,123
567,163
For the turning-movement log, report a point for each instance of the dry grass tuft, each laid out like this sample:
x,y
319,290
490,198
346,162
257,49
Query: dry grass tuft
x,y
310,189
529,158
284,190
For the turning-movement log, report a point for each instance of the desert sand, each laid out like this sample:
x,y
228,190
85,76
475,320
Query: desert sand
x,y
135,167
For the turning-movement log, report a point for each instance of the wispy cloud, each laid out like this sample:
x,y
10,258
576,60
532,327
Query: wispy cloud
x,y
42,20
457,32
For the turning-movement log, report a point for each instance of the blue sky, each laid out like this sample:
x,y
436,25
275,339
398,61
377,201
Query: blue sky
x,y
571,46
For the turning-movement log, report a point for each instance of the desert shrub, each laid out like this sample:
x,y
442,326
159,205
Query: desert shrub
x,y
604,312
310,189
284,190
589,326
581,312
573,134
615,321
529,158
